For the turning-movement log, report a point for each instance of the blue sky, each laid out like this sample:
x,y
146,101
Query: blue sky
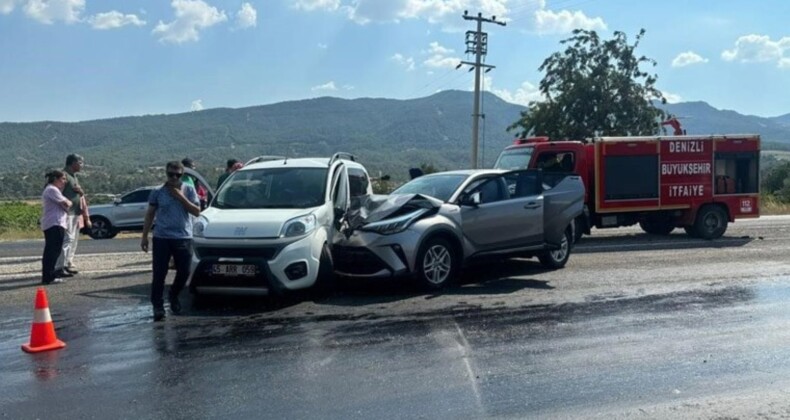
x,y
74,60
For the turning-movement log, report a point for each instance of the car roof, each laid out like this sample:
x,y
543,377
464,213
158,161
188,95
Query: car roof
x,y
470,172
300,163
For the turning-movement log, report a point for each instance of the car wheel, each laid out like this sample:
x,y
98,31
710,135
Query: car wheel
x,y
101,228
711,222
437,264
559,257
325,280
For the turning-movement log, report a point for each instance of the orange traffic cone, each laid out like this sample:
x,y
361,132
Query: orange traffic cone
x,y
42,335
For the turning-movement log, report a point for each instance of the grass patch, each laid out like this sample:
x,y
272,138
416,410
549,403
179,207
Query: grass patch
x,y
769,205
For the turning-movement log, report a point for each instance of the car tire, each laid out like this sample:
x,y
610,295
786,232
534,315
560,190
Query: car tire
x,y
691,231
101,228
325,279
437,264
556,259
711,222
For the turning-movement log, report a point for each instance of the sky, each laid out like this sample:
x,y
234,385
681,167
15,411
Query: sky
x,y
76,60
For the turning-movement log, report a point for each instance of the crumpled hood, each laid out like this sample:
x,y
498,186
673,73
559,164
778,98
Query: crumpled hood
x,y
248,223
373,208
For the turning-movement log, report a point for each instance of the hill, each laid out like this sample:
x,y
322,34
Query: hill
x,y
388,136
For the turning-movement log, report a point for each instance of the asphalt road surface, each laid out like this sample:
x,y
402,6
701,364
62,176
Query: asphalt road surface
x,y
636,326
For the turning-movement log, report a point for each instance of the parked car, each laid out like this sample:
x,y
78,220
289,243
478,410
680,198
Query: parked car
x,y
127,212
434,224
270,227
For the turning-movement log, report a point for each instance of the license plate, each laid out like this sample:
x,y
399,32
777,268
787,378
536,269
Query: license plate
x,y
246,270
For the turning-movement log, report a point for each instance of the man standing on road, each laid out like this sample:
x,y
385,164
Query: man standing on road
x,y
171,205
74,193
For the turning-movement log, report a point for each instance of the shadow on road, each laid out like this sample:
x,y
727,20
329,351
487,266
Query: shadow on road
x,y
645,242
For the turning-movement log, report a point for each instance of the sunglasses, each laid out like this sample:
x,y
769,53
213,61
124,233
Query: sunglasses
x,y
174,174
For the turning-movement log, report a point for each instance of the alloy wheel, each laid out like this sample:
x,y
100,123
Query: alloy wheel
x,y
436,264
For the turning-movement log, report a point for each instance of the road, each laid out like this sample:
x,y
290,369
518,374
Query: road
x,y
634,327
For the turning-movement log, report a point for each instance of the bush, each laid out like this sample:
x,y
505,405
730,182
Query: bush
x,y
16,215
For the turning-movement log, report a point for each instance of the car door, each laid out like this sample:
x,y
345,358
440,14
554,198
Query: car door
x,y
508,212
130,210
563,203
338,196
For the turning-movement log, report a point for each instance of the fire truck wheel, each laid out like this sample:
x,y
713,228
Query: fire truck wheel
x,y
559,257
711,222
657,227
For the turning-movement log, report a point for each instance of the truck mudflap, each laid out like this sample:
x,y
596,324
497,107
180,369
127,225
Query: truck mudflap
x,y
562,204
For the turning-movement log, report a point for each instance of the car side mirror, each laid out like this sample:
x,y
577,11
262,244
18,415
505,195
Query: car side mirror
x,y
116,200
471,199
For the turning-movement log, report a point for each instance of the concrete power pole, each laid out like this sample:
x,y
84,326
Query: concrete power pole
x,y
477,43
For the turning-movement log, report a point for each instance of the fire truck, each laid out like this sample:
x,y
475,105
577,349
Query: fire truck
x,y
699,183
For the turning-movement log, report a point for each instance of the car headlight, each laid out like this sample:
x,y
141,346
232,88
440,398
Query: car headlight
x,y
298,226
199,227
394,225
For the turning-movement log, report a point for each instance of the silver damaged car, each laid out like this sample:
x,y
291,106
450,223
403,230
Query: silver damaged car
x,y
433,225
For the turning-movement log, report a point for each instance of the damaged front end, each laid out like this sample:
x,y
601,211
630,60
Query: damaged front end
x,y
386,215
375,240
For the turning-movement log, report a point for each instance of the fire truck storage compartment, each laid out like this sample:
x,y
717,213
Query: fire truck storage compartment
x,y
736,172
631,177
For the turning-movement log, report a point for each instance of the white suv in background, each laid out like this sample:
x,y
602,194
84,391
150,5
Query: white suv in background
x,y
270,227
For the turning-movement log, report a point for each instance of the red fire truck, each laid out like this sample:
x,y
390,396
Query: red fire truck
x,y
699,183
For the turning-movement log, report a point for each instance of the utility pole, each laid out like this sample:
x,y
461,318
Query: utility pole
x,y
477,43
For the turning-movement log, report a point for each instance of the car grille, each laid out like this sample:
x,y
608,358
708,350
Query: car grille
x,y
353,260
266,252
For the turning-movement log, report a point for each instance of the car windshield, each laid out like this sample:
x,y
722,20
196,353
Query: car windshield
x,y
273,188
514,159
437,186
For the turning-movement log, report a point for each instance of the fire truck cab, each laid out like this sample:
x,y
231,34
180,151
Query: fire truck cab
x,y
699,183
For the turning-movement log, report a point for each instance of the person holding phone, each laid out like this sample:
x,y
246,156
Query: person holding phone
x,y
171,205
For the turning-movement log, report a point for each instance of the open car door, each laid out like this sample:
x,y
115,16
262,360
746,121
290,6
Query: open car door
x,y
563,203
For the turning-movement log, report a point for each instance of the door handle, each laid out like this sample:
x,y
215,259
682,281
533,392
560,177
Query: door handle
x,y
531,205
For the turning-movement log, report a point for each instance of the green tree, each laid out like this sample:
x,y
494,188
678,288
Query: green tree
x,y
594,88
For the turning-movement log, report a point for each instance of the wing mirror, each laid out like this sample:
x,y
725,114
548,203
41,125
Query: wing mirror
x,y
116,200
471,199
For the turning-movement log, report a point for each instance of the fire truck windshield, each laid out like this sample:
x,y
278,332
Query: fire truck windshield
x,y
514,159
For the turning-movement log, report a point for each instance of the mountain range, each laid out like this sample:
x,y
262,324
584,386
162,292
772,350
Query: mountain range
x,y
388,135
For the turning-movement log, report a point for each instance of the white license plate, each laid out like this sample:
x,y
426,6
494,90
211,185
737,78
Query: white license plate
x,y
247,270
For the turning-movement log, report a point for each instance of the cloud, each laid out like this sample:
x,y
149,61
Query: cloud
x,y
328,86
440,57
7,6
532,14
688,58
113,20
310,5
51,11
523,95
197,105
348,87
322,46
191,17
759,49
672,98
407,62
548,22
246,17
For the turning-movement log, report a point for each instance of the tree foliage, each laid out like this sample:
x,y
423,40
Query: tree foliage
x,y
594,88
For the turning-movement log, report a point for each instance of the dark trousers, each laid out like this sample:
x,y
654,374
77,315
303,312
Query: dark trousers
x,y
163,249
53,246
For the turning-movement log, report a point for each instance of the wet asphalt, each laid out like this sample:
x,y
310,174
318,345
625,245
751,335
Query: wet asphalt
x,y
634,327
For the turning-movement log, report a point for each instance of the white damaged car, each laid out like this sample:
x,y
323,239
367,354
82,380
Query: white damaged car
x,y
270,227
